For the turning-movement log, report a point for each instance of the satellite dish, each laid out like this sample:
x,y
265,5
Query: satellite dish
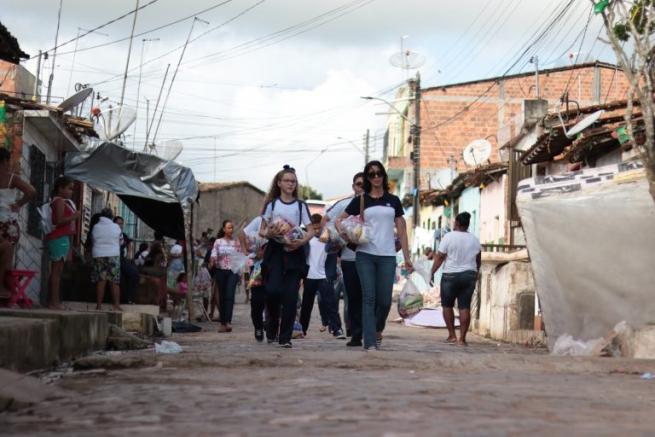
x,y
581,125
110,124
75,99
169,149
477,152
407,60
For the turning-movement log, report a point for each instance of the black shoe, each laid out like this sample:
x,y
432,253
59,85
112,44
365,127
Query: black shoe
x,y
287,345
354,343
271,340
339,334
259,335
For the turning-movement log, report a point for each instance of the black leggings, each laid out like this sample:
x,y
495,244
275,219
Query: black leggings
x,y
257,305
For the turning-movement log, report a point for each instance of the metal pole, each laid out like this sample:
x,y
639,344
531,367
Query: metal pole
x,y
366,149
129,52
416,136
36,96
54,55
536,74
138,88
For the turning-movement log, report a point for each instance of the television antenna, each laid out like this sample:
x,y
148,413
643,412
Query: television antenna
x,y
112,123
75,100
477,152
169,150
581,125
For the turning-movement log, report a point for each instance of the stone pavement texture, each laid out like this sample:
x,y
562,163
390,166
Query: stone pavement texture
x,y
227,384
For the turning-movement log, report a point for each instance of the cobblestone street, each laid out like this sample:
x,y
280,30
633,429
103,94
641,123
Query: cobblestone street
x,y
228,384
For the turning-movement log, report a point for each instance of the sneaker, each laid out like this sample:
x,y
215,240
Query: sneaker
x,y
287,345
259,335
354,343
339,334
271,340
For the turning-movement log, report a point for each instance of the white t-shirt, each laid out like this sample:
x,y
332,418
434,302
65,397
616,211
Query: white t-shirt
x,y
333,213
381,215
461,249
106,237
316,259
289,210
253,226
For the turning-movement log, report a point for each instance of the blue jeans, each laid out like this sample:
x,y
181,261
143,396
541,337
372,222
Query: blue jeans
x,y
326,304
226,281
353,293
376,275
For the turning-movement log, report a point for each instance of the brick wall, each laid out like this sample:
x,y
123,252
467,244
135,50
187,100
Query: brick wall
x,y
453,116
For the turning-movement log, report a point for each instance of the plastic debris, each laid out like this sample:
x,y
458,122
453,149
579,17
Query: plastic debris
x,y
648,376
168,347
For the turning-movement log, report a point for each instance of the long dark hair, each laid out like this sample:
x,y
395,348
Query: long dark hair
x,y
367,182
221,232
5,155
60,182
274,191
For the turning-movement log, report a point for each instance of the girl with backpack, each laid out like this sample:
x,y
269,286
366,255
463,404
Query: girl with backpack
x,y
283,265
64,215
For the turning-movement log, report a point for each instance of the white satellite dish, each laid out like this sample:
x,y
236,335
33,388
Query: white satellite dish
x,y
167,150
477,152
110,124
75,99
407,60
581,125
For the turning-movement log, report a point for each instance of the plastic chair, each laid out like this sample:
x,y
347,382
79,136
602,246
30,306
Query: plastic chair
x,y
17,281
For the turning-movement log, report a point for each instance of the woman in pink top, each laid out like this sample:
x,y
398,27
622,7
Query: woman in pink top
x,y
225,246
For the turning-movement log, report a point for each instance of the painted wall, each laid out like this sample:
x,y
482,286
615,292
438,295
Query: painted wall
x,y
469,202
231,203
492,212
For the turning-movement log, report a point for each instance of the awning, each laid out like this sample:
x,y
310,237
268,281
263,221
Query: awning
x,y
155,189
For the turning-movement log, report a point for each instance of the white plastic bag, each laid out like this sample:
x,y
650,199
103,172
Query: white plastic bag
x,y
237,261
168,347
565,345
410,300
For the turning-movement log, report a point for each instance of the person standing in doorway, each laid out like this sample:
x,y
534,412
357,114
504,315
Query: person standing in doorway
x,y
376,259
460,254
283,265
352,286
225,247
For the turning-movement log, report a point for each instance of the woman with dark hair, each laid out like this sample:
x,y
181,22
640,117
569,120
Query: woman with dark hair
x,y
129,273
283,265
106,258
9,207
225,246
376,260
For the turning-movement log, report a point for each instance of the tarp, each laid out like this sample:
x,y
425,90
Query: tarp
x,y
591,236
155,189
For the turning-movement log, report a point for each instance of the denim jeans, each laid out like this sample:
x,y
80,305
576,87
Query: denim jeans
x,y
353,295
458,286
376,275
226,281
326,304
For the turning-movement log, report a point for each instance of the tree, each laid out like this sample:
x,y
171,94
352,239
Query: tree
x,y
307,192
634,22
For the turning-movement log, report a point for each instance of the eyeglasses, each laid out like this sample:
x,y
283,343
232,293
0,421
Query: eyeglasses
x,y
375,174
359,184
289,181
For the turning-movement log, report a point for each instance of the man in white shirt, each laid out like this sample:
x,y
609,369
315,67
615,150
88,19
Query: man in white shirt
x,y
460,254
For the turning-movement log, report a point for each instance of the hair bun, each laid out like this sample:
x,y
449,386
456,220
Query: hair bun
x,y
286,167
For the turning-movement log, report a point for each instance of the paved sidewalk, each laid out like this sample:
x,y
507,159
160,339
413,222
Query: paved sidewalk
x,y
227,384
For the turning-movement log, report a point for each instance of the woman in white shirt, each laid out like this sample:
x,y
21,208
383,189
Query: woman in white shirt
x,y
105,237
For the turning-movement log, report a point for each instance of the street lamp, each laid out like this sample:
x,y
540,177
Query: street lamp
x,y
357,148
415,131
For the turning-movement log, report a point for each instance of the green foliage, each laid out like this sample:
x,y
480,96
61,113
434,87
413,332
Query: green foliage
x,y
638,15
307,192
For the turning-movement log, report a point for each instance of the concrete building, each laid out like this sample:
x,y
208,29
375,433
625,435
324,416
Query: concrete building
x,y
219,201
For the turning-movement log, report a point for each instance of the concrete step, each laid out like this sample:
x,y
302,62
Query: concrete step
x,y
50,337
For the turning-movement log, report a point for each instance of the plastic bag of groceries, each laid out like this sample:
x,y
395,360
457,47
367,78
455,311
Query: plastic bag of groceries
x,y
410,300
256,275
333,241
202,283
237,261
358,231
255,242
282,225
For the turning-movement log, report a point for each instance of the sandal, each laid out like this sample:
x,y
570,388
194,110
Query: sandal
x,y
463,344
378,340
449,341
322,328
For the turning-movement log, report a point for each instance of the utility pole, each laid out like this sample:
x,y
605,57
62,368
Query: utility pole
x,y
416,138
54,55
36,96
129,53
366,147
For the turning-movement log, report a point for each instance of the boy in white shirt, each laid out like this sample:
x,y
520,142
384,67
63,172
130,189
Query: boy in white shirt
x,y
317,282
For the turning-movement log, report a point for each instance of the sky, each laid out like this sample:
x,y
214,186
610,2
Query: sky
x,y
264,83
